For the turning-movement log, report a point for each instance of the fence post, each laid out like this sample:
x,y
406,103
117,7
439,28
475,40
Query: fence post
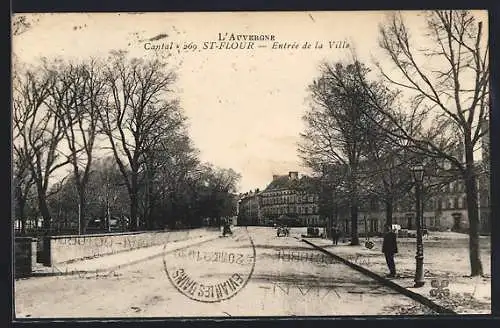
x,y
46,256
22,259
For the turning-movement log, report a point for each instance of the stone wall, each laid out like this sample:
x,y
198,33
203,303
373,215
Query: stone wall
x,y
77,247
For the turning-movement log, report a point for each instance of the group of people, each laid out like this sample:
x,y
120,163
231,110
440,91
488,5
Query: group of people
x,y
389,246
336,233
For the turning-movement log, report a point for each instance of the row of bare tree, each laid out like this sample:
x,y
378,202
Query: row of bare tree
x,y
429,107
119,127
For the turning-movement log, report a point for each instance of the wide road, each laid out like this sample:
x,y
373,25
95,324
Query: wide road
x,y
287,278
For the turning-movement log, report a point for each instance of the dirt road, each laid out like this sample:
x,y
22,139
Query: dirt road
x,y
288,278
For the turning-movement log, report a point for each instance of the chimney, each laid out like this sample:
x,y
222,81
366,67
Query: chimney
x,y
275,177
293,175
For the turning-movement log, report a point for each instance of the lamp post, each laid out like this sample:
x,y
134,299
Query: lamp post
x,y
418,176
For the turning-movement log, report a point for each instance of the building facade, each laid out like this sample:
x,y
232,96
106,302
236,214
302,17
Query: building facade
x,y
292,198
445,210
288,198
249,209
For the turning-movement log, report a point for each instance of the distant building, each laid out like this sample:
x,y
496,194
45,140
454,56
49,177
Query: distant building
x,y
249,209
290,198
444,210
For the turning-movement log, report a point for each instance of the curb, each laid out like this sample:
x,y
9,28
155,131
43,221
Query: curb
x,y
111,269
386,282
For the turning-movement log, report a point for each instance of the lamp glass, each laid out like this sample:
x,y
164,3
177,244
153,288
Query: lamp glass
x,y
418,173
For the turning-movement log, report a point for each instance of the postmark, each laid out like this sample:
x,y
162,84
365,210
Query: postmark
x,y
214,271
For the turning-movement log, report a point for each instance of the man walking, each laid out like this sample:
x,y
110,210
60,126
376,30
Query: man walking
x,y
389,248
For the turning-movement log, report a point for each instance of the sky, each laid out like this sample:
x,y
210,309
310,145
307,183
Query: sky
x,y
244,107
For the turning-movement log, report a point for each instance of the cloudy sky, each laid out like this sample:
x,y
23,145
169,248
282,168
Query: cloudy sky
x,y
244,106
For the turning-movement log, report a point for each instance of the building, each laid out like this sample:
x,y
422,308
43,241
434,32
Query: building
x,y
444,210
290,198
249,208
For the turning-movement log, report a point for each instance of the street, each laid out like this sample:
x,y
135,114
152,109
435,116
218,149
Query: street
x,y
289,278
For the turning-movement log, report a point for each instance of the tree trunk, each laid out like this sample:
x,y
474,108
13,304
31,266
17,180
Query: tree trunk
x,y
134,201
472,212
133,211
336,214
354,208
81,203
20,204
44,211
388,211
354,225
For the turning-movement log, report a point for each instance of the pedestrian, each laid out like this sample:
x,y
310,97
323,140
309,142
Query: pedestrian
x,y
335,235
389,248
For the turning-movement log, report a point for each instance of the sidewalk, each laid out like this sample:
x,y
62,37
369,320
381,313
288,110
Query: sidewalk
x,y
446,269
107,264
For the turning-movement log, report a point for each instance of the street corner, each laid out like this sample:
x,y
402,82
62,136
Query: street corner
x,y
214,271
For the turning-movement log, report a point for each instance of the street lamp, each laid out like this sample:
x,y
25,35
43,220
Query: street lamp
x,y
418,176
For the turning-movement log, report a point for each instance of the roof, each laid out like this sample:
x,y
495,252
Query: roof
x,y
284,182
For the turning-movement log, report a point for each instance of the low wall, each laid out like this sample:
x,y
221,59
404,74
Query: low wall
x,y
23,257
60,249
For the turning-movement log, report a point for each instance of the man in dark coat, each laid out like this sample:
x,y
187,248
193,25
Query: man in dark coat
x,y
389,248
335,235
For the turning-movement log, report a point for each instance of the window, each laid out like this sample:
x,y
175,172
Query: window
x,y
455,203
450,203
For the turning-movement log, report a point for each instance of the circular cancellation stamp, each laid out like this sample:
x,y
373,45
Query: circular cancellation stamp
x,y
212,271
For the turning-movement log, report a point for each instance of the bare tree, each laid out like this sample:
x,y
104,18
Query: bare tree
x,y
336,128
386,171
449,81
167,166
23,182
39,130
219,184
79,94
139,113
